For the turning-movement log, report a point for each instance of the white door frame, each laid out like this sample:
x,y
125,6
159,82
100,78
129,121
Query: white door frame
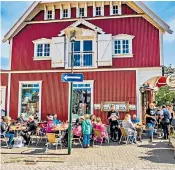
x,y
91,82
40,96
3,95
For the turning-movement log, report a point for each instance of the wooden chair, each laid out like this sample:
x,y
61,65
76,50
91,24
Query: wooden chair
x,y
124,135
52,140
78,139
97,135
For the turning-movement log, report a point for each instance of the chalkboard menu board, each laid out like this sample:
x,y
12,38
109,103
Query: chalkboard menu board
x,y
120,106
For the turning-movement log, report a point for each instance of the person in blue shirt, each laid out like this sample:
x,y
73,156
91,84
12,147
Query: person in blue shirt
x,y
138,128
55,120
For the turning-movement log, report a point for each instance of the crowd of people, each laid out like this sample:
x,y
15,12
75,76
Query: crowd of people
x,y
156,117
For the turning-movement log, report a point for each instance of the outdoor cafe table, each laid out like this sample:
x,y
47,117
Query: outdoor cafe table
x,y
17,128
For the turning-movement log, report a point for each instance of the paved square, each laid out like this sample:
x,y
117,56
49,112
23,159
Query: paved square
x,y
155,156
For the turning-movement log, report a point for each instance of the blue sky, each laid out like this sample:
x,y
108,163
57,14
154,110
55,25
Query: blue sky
x,y
11,12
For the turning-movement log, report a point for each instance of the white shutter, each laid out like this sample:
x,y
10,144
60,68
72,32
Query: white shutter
x,y
85,10
57,51
94,9
102,9
105,50
111,8
69,11
61,12
77,10
120,8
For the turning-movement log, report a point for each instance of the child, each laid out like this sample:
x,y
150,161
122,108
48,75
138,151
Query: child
x,y
77,129
50,124
101,127
87,130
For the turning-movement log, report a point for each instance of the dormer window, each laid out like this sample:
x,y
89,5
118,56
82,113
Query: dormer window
x,y
65,13
81,12
98,11
49,14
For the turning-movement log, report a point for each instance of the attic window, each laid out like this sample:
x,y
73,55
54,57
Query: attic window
x,y
115,9
81,12
98,11
49,14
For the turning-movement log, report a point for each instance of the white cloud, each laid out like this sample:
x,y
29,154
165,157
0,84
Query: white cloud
x,y
170,37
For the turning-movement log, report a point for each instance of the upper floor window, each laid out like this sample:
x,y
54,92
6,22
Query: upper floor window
x,y
122,45
49,14
83,53
81,12
98,11
115,8
65,13
42,49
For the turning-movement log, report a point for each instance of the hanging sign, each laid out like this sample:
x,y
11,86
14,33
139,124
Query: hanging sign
x,y
171,80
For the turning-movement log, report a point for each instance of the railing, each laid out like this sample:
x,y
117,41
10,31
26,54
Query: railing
x,y
83,59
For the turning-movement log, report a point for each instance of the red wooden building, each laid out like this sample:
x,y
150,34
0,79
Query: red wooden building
x,y
119,50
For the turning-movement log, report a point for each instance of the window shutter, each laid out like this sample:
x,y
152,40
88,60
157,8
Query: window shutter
x,y
45,13
77,11
120,8
57,51
61,12
69,11
105,50
102,9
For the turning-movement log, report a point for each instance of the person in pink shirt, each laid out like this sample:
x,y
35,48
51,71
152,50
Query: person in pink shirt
x,y
93,120
100,126
50,124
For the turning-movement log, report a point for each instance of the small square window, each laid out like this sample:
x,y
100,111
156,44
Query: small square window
x,y
98,11
115,9
65,13
46,49
40,50
81,12
49,14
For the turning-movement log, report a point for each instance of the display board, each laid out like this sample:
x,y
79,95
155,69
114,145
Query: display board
x,y
120,106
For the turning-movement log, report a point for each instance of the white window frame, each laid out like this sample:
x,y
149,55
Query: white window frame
x,y
91,82
68,8
40,95
46,9
67,13
94,55
49,14
81,5
41,41
112,3
95,5
123,37
99,10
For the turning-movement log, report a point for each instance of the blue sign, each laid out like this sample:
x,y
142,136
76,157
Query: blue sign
x,y
72,77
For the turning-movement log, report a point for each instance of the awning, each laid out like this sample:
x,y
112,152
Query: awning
x,y
158,81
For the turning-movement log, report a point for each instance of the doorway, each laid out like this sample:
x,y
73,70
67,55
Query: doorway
x,y
82,99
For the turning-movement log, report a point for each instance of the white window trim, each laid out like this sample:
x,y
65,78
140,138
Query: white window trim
x,y
112,3
123,37
41,41
78,10
68,12
46,12
94,9
91,82
40,95
94,56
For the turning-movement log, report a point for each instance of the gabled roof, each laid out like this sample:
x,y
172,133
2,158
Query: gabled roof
x,y
21,22
85,23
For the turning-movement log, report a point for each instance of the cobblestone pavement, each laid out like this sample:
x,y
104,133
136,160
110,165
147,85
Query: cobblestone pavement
x,y
144,156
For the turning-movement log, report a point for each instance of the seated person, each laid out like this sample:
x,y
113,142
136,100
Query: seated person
x,y
129,127
50,125
77,129
93,120
31,129
36,118
138,128
21,119
100,126
55,120
5,126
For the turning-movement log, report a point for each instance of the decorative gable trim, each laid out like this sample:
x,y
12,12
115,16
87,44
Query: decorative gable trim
x,y
87,24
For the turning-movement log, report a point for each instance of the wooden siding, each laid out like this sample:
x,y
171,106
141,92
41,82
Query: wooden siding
x,y
108,86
